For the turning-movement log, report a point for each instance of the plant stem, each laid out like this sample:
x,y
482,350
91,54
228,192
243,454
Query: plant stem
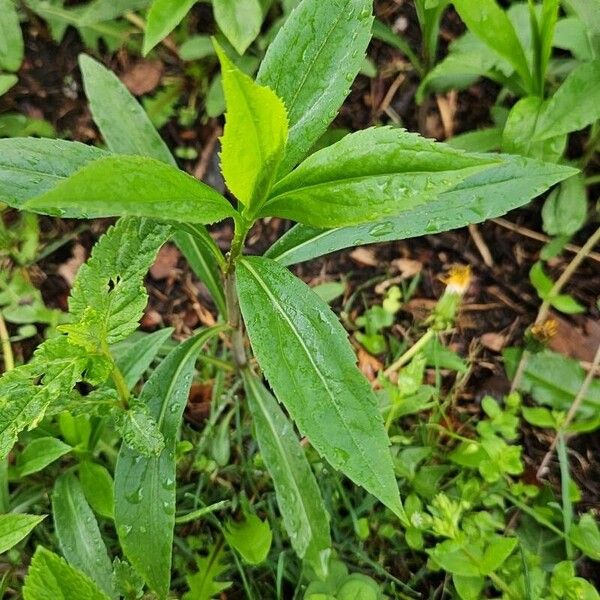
x,y
412,351
238,346
9,364
591,146
121,386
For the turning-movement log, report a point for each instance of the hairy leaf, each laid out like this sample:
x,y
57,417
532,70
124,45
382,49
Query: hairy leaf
x,y
11,38
133,186
163,17
311,64
49,576
482,196
78,533
140,431
29,167
369,175
145,486
254,138
14,527
239,20
490,23
574,105
306,357
111,282
298,495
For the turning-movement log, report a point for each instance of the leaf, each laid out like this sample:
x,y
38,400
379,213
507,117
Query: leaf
x,y
163,17
196,47
112,105
133,186
49,576
586,536
483,196
490,23
369,175
306,357
6,82
497,551
145,486
239,20
519,132
574,105
565,209
39,453
251,538
78,533
98,488
312,62
298,495
254,137
204,584
29,167
135,358
140,431
468,588
110,286
14,527
11,38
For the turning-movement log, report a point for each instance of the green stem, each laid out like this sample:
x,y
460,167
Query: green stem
x,y
567,507
410,353
9,364
593,180
591,146
121,386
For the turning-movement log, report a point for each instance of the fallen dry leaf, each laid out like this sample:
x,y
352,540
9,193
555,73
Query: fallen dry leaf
x,y
142,76
368,364
577,338
165,265
493,341
364,256
68,270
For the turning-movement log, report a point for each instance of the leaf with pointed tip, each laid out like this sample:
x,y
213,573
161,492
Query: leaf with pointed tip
x,y
298,495
306,357
11,38
49,576
14,527
163,17
145,486
311,63
369,175
483,196
239,20
118,185
78,532
254,137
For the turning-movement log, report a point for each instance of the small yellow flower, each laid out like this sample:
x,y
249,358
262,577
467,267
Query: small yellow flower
x,y
545,330
458,279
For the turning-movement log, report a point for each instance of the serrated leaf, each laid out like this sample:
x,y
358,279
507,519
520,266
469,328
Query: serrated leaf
x,y
369,175
205,585
78,532
140,431
239,20
119,185
490,23
306,357
112,105
298,495
574,105
11,38
163,17
40,453
29,167
251,538
145,486
14,527
49,576
483,196
254,137
312,62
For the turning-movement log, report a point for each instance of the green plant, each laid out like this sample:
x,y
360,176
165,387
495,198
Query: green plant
x,y
372,185
11,45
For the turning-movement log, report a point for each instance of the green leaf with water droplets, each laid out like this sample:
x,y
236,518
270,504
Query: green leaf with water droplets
x,y
306,357
369,175
49,576
489,194
311,64
145,485
78,532
298,495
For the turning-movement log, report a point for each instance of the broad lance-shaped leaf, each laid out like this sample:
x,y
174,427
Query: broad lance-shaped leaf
x,y
11,38
163,17
145,486
117,185
239,20
78,533
306,356
574,105
49,576
254,137
110,286
298,494
14,527
483,196
111,105
29,167
369,175
311,63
